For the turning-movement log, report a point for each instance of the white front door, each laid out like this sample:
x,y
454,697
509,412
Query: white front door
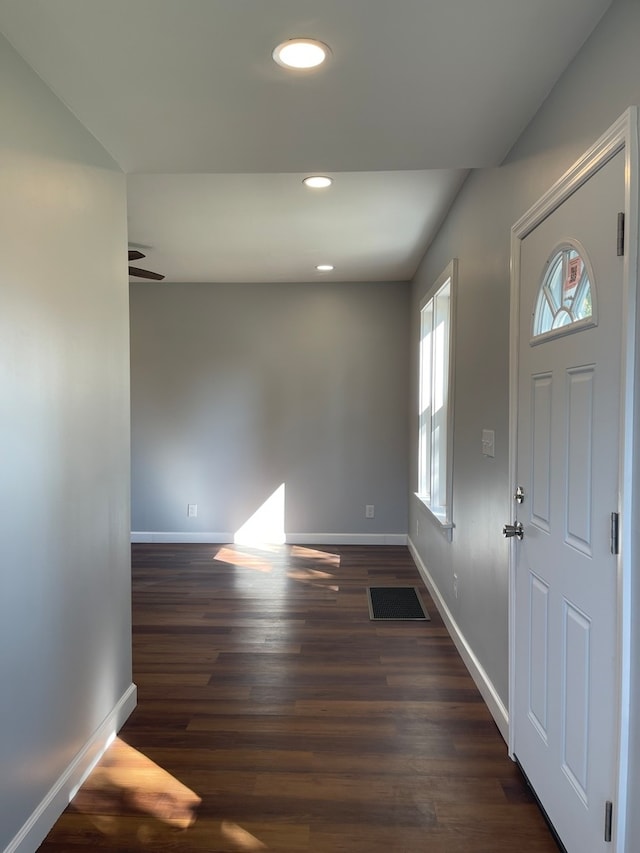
x,y
565,713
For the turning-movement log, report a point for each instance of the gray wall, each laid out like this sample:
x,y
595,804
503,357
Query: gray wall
x,y
237,389
65,636
600,84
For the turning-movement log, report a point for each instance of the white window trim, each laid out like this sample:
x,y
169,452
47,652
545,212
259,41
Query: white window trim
x,y
442,516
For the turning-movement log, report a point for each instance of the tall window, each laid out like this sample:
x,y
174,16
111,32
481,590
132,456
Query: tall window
x,y
435,397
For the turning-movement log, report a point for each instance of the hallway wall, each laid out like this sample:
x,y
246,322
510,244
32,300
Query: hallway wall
x,y
602,81
65,608
238,389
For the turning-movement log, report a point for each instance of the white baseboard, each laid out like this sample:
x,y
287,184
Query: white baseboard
x,y
347,538
35,830
476,670
173,538
138,536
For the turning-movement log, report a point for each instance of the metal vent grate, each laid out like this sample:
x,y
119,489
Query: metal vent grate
x,y
395,602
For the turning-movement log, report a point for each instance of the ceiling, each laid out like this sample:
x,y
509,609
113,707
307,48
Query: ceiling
x,y
215,137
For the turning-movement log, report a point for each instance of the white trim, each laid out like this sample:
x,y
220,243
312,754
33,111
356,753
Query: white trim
x,y
627,567
35,830
179,537
476,670
612,141
445,527
347,538
623,135
291,538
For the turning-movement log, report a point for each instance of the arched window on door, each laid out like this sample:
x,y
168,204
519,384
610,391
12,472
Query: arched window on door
x,y
566,300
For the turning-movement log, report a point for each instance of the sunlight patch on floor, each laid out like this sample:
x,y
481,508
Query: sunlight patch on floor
x,y
125,776
265,558
315,555
236,557
240,837
314,577
127,785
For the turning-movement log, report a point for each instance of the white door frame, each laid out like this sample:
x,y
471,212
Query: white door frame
x,y
623,135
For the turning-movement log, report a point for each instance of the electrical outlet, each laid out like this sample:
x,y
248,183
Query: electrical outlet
x,y
192,510
369,511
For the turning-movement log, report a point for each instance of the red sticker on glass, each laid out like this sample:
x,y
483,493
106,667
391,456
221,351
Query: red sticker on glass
x,y
574,273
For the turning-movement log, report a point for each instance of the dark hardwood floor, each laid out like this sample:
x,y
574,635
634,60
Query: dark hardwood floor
x,y
274,715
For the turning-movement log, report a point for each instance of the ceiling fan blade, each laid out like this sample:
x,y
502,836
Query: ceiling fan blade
x,y
138,273
135,255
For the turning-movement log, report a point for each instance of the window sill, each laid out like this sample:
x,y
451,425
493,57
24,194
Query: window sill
x,y
438,516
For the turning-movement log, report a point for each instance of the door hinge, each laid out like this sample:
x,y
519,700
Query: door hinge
x,y
620,240
608,820
615,533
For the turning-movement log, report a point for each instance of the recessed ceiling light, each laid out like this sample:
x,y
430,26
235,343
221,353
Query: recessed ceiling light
x,y
324,267
300,53
318,182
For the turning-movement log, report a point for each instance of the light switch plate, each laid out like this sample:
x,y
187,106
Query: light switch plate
x,y
488,442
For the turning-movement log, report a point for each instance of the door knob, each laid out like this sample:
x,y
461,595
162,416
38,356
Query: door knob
x,y
510,530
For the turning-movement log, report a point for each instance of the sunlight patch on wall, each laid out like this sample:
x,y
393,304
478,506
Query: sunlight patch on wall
x,y
266,525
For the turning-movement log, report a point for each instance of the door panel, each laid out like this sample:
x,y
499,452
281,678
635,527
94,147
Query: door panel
x,y
539,654
541,450
575,682
580,382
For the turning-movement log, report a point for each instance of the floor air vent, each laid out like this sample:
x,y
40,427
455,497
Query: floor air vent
x,y
395,602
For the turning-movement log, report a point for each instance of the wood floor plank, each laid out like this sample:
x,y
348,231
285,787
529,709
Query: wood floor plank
x,y
275,715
